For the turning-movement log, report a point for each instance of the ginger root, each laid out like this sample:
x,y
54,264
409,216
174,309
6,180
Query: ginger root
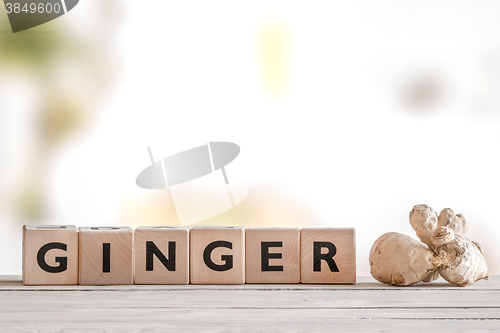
x,y
400,260
459,260
424,221
457,223
443,249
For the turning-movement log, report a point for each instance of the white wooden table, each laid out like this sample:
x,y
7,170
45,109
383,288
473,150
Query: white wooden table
x,y
365,306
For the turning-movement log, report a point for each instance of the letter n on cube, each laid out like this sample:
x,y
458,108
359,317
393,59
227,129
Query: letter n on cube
x,y
161,255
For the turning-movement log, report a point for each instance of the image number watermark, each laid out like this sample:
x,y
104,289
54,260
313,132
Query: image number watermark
x,y
33,8
24,15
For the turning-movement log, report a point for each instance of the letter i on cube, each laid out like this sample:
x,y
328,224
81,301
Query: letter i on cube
x,y
106,255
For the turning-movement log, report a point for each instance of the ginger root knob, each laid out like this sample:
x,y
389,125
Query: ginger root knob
x,y
400,260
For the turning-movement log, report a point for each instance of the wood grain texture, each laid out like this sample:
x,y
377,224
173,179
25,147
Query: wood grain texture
x,y
163,238
105,255
363,283
344,259
366,306
259,268
36,237
230,261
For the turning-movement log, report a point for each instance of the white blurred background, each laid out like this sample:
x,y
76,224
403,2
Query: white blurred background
x,y
347,113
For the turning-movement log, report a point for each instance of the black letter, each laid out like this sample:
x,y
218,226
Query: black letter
x,y
328,257
228,259
63,261
106,257
152,249
265,256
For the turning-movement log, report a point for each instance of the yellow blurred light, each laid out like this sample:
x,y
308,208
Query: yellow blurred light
x,y
274,52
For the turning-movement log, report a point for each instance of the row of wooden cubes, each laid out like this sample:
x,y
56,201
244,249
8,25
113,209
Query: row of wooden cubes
x,y
57,255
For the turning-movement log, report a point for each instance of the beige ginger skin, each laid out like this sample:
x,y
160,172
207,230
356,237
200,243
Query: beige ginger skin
x,y
400,260
443,249
424,221
459,260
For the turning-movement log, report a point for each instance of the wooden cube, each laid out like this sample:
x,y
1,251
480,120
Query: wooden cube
x,y
161,255
328,255
106,255
217,255
272,255
50,255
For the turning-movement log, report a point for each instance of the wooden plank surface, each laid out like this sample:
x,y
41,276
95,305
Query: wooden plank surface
x,y
365,306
